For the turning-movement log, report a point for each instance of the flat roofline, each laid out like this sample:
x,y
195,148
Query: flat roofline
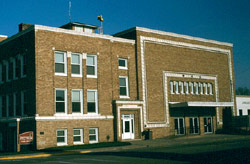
x,y
81,24
3,36
201,104
143,29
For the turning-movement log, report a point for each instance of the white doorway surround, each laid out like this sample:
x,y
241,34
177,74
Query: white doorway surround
x,y
128,126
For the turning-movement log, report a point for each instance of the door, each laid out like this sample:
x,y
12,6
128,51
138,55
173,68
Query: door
x,y
128,126
179,126
194,125
208,126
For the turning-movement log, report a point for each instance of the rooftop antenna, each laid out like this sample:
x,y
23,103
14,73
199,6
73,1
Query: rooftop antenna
x,y
101,20
69,11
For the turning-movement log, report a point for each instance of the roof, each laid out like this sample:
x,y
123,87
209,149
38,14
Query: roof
x,y
80,24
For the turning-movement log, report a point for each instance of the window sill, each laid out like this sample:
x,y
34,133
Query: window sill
x,y
76,75
91,76
124,97
60,74
123,68
62,144
92,142
78,143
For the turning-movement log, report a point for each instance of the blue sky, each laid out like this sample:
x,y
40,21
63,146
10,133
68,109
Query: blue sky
x,y
222,20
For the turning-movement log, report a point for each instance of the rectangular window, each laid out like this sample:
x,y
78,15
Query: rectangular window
x,y
17,67
11,66
123,63
11,105
124,91
93,135
4,69
24,103
210,87
196,86
78,29
77,101
201,88
7,71
4,106
1,74
206,88
61,135
23,65
187,87
240,112
176,87
76,64
191,84
92,101
78,136
61,101
91,66
182,87
60,63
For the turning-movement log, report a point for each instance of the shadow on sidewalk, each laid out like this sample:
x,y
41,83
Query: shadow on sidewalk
x,y
240,155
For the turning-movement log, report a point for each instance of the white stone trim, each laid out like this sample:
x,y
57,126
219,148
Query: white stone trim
x,y
128,102
127,107
92,35
201,104
73,117
182,36
144,39
3,36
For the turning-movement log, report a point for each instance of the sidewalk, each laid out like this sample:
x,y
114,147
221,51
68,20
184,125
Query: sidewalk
x,y
137,144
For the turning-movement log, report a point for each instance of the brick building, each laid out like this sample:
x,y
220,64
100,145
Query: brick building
x,y
70,85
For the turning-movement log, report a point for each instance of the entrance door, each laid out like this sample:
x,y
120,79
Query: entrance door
x,y
208,126
128,126
194,125
179,126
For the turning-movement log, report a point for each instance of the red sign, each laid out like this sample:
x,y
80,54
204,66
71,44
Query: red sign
x,y
26,138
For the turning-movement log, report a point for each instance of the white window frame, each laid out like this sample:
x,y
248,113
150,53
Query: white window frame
x,y
171,87
65,63
191,84
127,87
95,60
196,86
65,137
187,87
80,58
182,87
96,102
126,64
65,102
96,133
176,87
81,101
210,86
81,136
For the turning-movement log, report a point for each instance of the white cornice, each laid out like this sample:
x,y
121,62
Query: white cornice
x,y
201,104
3,36
72,117
93,35
182,36
128,102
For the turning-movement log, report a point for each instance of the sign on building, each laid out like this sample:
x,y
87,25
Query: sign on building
x,y
26,138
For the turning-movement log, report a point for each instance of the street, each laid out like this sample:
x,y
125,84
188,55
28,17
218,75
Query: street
x,y
203,149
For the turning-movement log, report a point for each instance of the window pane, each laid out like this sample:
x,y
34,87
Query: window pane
x,y
92,131
122,82
122,63
76,132
76,107
90,60
60,133
92,138
91,96
123,91
90,70
59,57
75,69
60,139
91,107
59,68
77,138
59,95
76,96
75,59
60,106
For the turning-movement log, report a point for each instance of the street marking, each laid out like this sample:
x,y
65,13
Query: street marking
x,y
86,151
27,156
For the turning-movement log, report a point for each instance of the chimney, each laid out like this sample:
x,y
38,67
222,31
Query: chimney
x,y
24,26
3,37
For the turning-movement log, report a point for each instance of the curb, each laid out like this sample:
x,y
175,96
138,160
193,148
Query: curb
x,y
45,155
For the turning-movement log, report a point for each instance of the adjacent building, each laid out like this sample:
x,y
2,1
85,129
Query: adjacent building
x,y
71,85
243,105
